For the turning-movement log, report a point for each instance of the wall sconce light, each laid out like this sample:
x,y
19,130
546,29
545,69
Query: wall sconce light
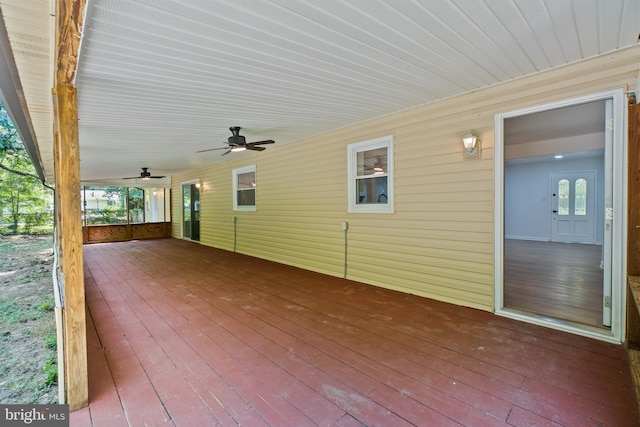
x,y
471,145
198,185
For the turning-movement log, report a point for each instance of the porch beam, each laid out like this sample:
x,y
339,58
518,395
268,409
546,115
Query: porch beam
x,y
69,15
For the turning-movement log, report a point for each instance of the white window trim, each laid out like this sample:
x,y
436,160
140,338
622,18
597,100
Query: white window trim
x,y
352,150
235,173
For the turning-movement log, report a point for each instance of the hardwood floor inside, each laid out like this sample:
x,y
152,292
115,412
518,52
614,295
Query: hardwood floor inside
x,y
181,334
558,280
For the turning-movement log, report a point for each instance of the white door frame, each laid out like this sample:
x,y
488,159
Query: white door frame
x,y
618,223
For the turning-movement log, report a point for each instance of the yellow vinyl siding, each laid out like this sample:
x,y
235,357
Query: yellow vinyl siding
x,y
439,242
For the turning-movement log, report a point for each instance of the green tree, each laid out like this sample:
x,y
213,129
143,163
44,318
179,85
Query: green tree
x,y
110,211
136,205
24,200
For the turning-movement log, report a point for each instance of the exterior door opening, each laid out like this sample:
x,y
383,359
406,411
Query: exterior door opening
x,y
191,211
555,240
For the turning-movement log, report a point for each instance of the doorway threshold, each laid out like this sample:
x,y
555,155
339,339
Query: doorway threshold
x,y
601,334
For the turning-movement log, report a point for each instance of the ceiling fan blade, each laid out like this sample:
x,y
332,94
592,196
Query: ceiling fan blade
x,y
225,153
157,177
251,147
211,149
132,177
266,141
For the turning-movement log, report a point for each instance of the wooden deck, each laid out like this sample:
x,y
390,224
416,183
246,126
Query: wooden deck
x,y
186,335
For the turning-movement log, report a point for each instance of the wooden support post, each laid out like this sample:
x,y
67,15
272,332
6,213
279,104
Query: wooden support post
x,y
633,228
69,22
70,246
633,233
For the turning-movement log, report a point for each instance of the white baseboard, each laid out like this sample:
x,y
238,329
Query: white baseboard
x,y
536,239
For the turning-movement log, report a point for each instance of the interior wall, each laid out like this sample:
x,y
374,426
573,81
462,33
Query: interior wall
x,y
527,201
439,242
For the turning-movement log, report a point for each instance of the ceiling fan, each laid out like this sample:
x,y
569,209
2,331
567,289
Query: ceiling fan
x,y
145,175
375,166
237,142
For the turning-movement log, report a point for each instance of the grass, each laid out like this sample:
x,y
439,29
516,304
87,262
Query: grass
x,y
15,311
51,341
20,319
21,245
51,372
28,365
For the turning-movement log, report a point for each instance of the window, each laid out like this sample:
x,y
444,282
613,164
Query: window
x,y
124,205
244,189
580,205
370,172
136,206
579,197
563,197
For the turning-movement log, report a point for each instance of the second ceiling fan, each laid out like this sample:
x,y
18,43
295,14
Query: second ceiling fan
x,y
145,175
237,142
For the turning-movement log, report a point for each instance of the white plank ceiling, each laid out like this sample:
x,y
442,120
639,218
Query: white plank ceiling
x,y
159,80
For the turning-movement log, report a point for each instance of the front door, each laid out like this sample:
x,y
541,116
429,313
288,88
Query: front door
x,y
573,207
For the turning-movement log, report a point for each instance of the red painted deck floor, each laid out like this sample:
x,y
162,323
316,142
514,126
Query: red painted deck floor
x,y
186,335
